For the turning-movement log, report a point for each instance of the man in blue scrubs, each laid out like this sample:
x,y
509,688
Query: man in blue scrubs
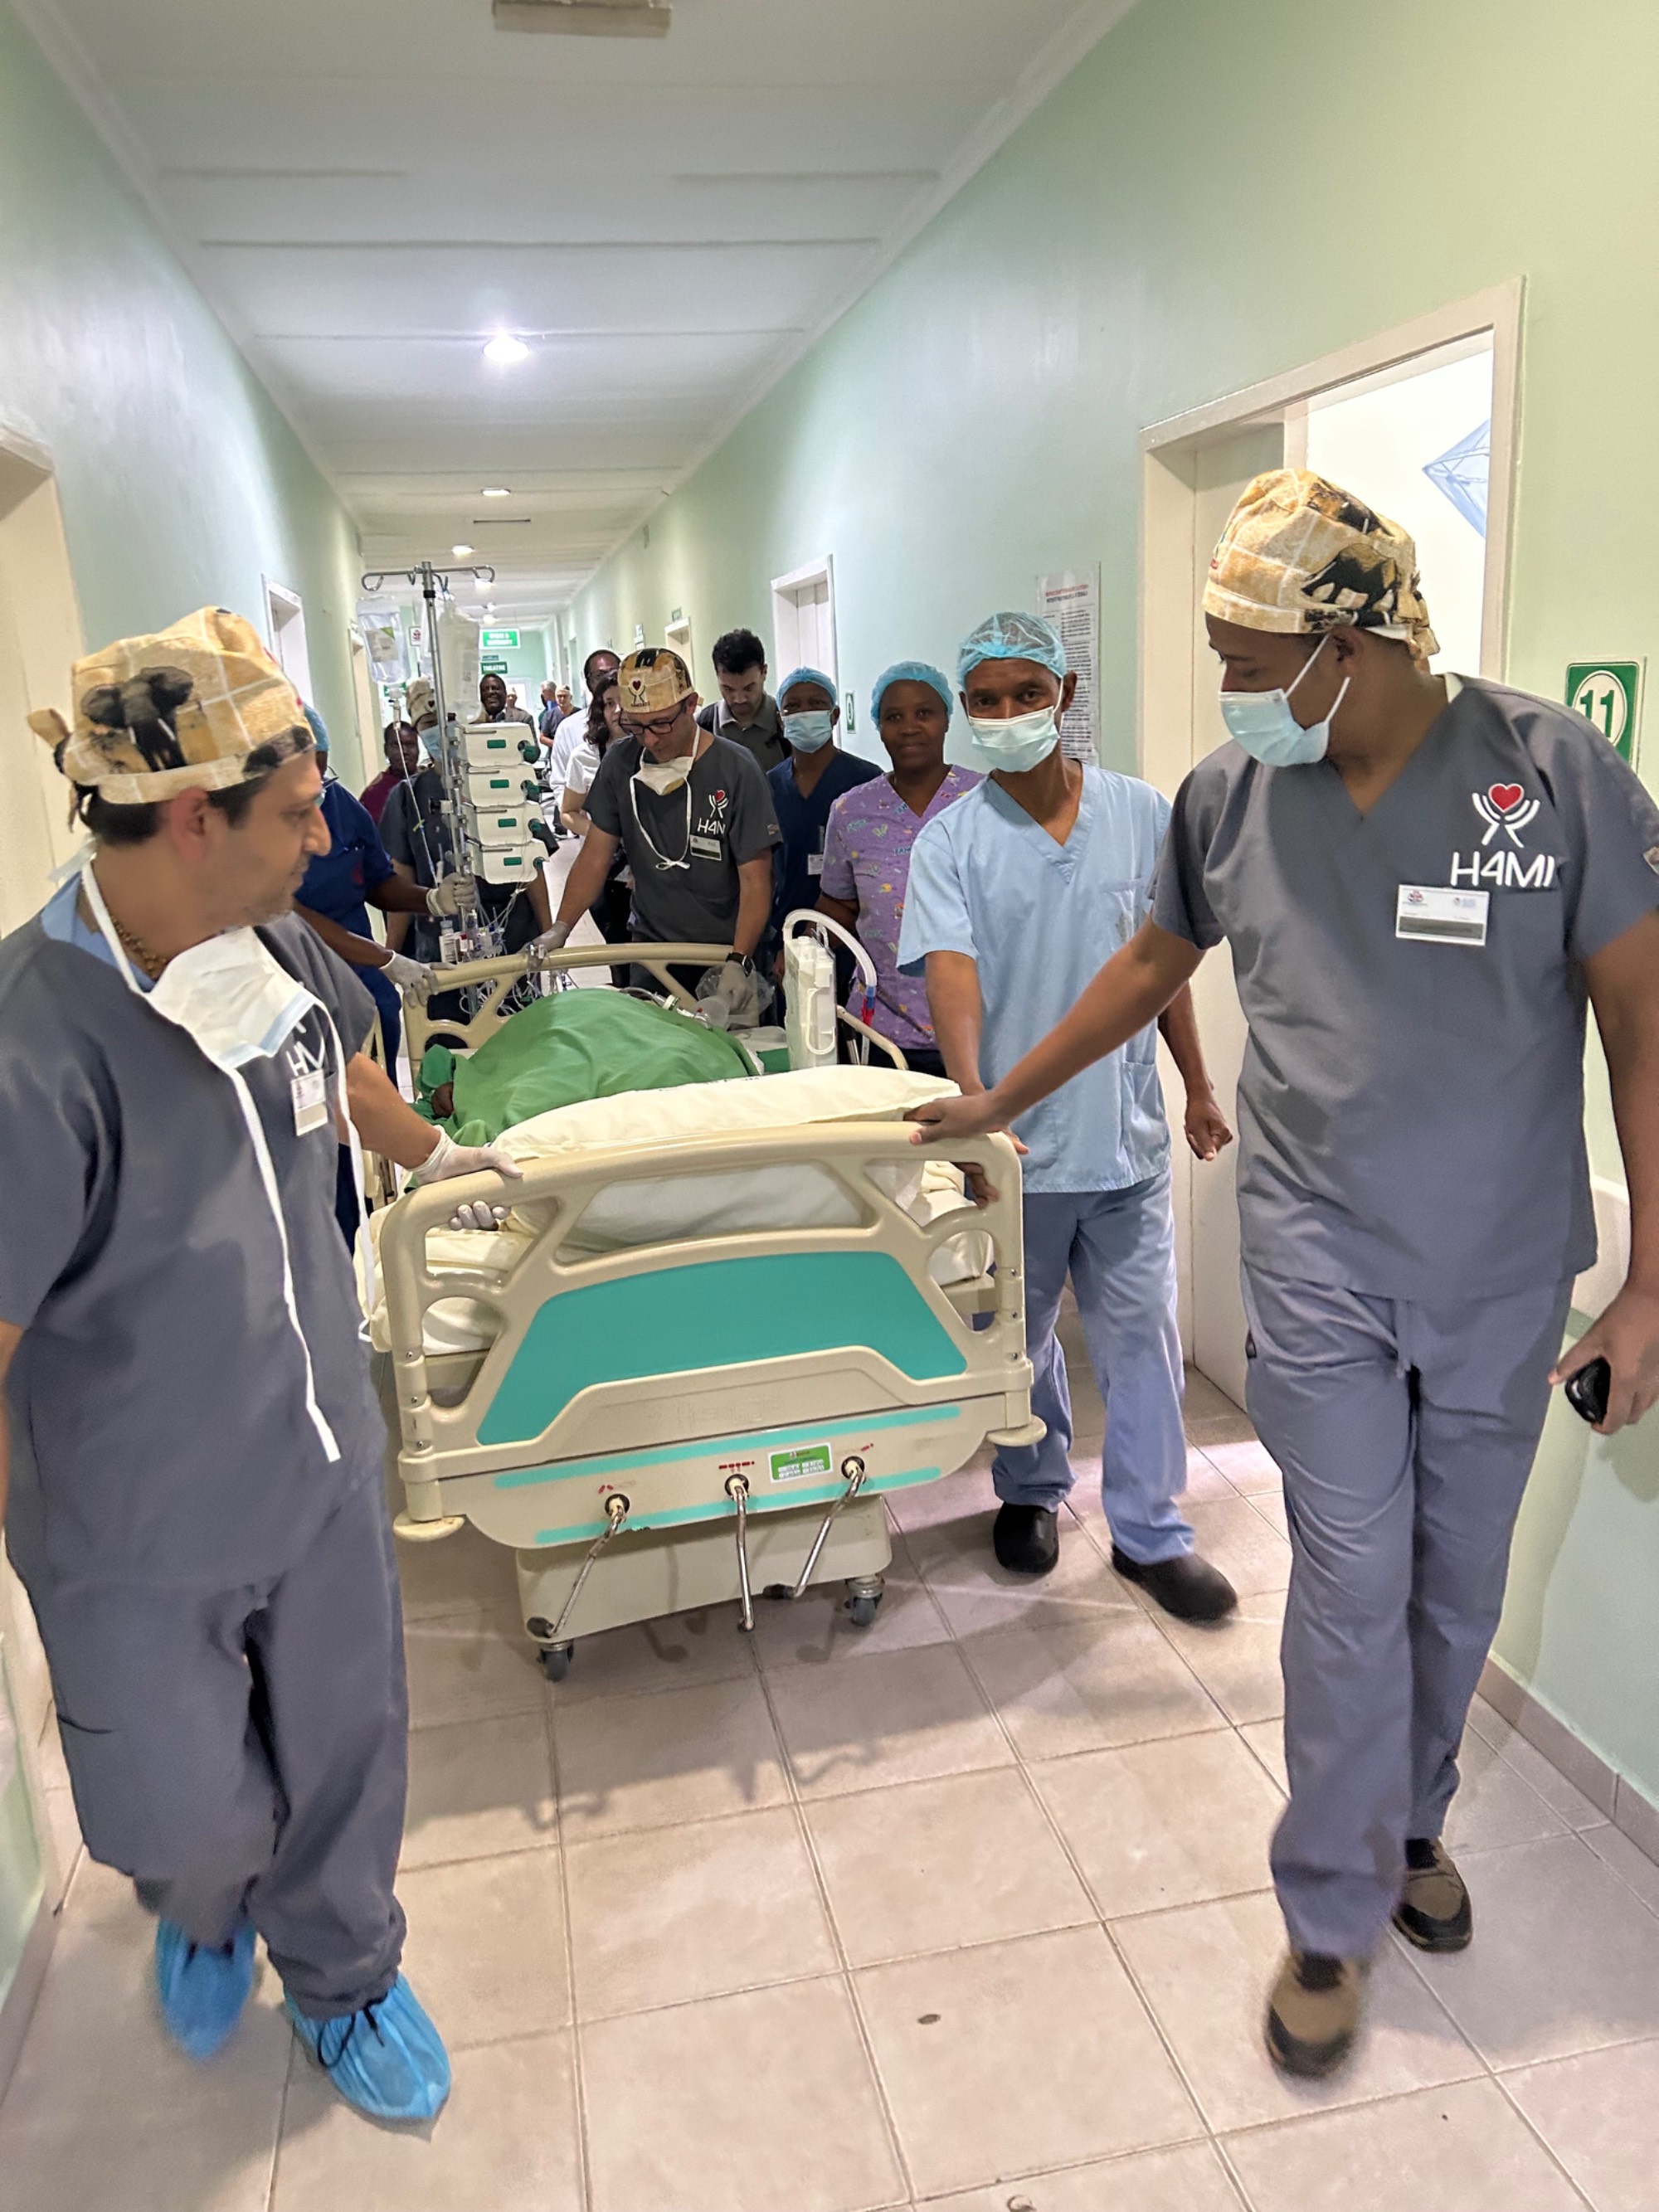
x,y
1016,894
803,789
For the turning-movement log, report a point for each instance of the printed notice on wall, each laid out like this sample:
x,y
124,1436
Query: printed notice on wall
x,y
1070,601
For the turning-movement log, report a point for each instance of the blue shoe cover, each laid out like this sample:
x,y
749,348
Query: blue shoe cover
x,y
203,1991
387,2059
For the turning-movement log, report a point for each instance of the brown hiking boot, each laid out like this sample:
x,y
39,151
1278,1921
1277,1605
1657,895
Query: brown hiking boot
x,y
1313,2014
1434,1912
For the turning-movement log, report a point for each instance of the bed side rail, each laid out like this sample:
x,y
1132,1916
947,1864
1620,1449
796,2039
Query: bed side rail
x,y
443,1440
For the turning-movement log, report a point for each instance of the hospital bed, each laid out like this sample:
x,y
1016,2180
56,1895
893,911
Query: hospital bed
x,y
698,1417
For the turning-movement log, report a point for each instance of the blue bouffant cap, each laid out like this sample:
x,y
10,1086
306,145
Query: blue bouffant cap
x,y
806,676
1011,637
911,672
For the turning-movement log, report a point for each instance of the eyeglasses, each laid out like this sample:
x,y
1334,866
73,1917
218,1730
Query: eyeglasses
x,y
659,727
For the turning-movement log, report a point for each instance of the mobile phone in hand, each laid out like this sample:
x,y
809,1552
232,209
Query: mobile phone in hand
x,y
1587,1392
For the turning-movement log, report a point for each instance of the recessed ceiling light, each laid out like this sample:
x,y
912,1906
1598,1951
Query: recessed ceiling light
x,y
461,552
495,491
505,351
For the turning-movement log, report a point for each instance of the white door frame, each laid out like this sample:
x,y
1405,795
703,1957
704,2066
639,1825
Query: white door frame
x,y
284,597
1168,650
785,588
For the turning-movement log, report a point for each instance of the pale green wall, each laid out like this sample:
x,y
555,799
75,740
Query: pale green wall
x,y
180,482
1222,191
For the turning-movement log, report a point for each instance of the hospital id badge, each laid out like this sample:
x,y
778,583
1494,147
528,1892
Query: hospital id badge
x,y
707,848
310,1093
1434,915
815,864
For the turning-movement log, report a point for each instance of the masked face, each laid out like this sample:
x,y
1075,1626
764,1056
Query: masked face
x,y
809,717
1265,725
1014,708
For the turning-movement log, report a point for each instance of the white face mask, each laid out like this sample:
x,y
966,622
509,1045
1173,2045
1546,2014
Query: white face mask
x,y
1015,746
237,1003
664,777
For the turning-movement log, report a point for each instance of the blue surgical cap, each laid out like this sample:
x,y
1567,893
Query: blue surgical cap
x,y
806,676
911,672
319,727
1011,637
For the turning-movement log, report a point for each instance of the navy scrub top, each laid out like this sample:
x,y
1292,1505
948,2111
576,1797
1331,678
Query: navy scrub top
x,y
797,862
356,863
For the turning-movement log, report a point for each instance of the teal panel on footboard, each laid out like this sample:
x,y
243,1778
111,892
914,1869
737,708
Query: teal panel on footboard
x,y
677,1321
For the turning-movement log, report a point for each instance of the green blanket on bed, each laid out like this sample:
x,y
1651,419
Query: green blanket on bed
x,y
574,1045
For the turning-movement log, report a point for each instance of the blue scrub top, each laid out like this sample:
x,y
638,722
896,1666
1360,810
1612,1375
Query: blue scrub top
x,y
1040,919
802,822
356,862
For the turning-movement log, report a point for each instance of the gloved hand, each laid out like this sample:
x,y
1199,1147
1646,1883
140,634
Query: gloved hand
x,y
554,939
446,898
448,1160
732,990
412,977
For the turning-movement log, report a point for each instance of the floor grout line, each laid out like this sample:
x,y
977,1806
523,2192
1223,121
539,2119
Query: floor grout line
x,y
579,2085
845,1974
1543,2142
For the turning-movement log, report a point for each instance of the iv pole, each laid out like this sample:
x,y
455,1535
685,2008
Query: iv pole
x,y
430,582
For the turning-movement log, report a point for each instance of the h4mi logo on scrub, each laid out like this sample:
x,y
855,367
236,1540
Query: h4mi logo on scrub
x,y
1506,810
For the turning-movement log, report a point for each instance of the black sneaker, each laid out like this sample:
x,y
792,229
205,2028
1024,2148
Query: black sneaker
x,y
1434,1912
1026,1539
1189,1588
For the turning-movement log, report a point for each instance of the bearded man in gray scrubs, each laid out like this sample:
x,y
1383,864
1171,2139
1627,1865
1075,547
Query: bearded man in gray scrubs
x,y
197,1504
1422,880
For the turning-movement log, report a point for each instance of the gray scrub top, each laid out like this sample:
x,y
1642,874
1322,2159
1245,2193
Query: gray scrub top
x,y
732,820
1411,1111
157,1401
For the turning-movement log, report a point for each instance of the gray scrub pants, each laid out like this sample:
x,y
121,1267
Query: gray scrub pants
x,y
1406,1433
246,1751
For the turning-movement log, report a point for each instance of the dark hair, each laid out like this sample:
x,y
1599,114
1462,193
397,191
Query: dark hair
x,y
737,650
135,825
598,730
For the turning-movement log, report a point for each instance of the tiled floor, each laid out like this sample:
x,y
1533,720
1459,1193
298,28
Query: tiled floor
x,y
970,1910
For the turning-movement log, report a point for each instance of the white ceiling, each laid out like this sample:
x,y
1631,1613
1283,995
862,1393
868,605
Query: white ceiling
x,y
368,189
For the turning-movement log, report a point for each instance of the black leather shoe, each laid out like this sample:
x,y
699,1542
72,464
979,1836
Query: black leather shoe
x,y
1026,1539
1434,1912
1190,1588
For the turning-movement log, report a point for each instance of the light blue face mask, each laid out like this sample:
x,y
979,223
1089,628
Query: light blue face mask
x,y
1261,721
1015,746
809,733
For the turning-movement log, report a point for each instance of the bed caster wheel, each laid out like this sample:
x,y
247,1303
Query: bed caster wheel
x,y
555,1661
861,1603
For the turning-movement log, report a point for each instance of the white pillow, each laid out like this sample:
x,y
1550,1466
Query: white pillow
x,y
658,1120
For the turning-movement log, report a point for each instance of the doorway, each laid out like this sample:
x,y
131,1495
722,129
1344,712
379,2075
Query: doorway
x,y
1419,422
285,620
677,638
804,618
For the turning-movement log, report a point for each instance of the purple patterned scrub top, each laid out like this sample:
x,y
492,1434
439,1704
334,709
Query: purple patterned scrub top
x,y
866,859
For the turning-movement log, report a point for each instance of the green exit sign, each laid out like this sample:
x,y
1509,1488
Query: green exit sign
x,y
1609,694
492,665
501,640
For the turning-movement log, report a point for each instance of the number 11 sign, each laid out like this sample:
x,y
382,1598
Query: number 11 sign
x,y
1609,694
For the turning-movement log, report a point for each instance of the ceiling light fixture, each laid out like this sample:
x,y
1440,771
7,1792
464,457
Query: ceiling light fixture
x,y
459,552
626,19
495,491
505,351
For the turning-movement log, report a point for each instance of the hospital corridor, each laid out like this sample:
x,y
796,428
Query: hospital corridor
x,y
829,1107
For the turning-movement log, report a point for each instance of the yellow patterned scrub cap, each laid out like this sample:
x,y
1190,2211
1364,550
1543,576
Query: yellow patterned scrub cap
x,y
180,711
653,679
1301,556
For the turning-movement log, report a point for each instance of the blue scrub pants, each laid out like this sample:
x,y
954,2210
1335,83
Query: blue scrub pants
x,y
246,1751
1406,1433
1118,1247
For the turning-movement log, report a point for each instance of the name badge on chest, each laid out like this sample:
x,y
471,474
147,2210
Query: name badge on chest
x,y
707,848
815,864
310,1095
1434,915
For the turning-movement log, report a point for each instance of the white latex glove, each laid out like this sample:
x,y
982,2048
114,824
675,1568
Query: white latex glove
x,y
448,1160
446,899
554,939
412,977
